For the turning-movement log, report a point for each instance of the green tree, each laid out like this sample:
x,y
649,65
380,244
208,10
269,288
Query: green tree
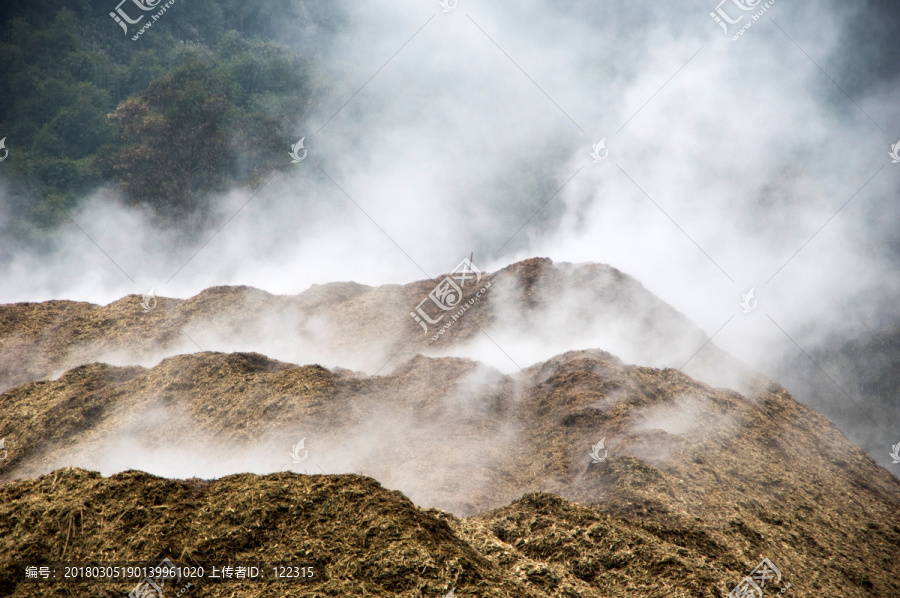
x,y
173,147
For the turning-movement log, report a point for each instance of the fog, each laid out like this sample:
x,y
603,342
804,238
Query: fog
x,y
760,163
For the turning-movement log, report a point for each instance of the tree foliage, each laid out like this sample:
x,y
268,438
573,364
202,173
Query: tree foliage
x,y
207,98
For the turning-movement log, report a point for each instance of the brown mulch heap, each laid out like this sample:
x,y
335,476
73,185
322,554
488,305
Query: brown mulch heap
x,y
362,540
343,324
699,484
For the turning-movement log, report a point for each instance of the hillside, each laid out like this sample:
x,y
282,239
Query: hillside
x,y
93,103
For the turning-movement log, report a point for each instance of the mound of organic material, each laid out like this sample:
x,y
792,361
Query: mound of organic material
x,y
563,306
722,479
360,539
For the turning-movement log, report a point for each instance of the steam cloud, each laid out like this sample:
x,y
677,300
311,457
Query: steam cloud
x,y
732,164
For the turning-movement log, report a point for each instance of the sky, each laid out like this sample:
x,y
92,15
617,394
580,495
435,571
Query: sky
x,y
755,158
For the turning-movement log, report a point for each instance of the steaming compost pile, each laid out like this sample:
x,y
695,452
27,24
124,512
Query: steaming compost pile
x,y
344,324
692,488
579,475
545,430
365,539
